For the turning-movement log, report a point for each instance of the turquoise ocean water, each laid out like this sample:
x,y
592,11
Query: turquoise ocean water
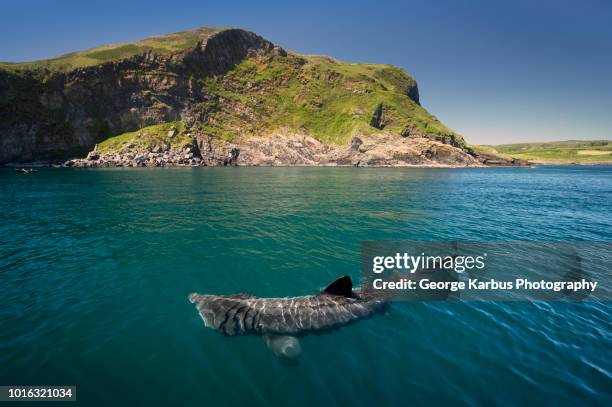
x,y
96,265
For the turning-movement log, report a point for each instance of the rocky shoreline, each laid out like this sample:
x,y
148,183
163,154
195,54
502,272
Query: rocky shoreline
x,y
296,150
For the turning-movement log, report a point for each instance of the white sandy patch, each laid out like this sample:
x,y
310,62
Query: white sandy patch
x,y
594,152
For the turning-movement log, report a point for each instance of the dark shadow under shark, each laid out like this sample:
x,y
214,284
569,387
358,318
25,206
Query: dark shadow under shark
x,y
281,320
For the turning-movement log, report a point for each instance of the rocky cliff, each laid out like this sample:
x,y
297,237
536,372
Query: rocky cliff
x,y
217,97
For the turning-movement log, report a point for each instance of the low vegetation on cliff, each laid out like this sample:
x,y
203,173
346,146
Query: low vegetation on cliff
x,y
330,100
163,136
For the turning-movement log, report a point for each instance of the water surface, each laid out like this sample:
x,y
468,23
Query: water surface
x,y
96,265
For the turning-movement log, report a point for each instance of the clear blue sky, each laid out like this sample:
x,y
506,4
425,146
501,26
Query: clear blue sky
x,y
495,71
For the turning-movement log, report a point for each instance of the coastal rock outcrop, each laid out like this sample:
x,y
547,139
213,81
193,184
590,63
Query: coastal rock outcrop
x,y
291,150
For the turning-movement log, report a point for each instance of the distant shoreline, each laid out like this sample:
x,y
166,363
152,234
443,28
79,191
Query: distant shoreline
x,y
440,166
578,152
583,163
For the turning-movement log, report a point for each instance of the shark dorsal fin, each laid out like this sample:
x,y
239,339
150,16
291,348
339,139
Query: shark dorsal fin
x,y
342,286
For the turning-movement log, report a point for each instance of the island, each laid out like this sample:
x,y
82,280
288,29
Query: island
x,y
215,97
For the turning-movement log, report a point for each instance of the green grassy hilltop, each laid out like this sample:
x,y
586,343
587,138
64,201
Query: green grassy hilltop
x,y
571,151
328,99
163,45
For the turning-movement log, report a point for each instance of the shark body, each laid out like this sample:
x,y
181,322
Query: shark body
x,y
281,320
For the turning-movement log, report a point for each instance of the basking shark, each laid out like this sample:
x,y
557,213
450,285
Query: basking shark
x,y
282,320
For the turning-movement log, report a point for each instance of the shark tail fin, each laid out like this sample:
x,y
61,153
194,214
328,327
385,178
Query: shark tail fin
x,y
342,286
